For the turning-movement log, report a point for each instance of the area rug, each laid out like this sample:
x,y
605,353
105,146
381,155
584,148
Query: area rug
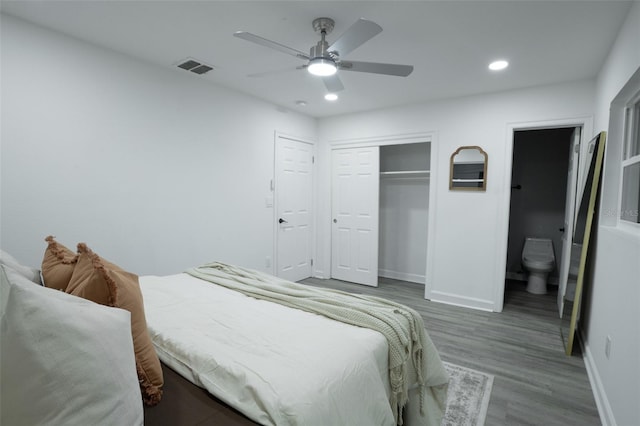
x,y
468,397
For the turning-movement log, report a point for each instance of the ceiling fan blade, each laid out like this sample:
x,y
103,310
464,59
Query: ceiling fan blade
x,y
333,83
271,44
358,33
376,68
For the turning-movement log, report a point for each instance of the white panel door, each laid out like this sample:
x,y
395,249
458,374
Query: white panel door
x,y
354,232
293,194
569,216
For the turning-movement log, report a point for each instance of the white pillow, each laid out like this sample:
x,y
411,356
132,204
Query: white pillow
x,y
64,360
31,274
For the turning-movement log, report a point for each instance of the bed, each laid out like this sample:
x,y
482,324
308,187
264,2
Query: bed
x,y
278,365
230,350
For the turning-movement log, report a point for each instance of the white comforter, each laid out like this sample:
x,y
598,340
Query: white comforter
x,y
277,365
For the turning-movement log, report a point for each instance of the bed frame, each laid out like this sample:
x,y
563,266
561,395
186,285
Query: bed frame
x,y
186,404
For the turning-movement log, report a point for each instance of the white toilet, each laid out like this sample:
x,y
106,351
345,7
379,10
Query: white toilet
x,y
539,260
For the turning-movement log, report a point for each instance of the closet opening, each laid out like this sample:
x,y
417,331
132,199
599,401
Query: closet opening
x,y
404,211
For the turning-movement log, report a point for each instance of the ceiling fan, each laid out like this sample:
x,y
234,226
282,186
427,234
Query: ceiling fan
x,y
325,60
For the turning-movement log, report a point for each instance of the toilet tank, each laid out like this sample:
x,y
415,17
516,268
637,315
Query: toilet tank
x,y
538,250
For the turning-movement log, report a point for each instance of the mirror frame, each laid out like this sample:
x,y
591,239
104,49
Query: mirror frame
x,y
452,184
593,191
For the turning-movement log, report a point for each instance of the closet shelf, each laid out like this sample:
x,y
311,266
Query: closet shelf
x,y
405,174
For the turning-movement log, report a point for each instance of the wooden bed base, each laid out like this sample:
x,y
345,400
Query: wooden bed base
x,y
186,404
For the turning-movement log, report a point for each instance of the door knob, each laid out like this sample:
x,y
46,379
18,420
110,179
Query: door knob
x,y
281,220
335,220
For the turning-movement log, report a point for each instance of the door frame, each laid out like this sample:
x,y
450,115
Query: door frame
x,y
401,139
274,188
586,122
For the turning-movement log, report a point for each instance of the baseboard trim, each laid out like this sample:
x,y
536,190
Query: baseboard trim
x,y
318,273
602,402
404,276
465,302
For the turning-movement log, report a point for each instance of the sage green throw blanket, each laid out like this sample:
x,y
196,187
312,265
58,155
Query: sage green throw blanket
x,y
401,326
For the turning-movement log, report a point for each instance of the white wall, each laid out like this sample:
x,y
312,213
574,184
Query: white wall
x,y
615,292
154,168
470,227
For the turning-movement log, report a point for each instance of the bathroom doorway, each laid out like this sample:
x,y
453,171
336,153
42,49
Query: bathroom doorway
x,y
540,196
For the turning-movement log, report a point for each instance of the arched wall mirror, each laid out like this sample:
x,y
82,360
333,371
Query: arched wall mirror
x,y
468,169
580,241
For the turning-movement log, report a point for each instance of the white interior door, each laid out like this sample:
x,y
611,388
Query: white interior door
x,y
293,195
354,207
569,216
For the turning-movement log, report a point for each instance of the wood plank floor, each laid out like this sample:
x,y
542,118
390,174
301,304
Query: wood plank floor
x,y
535,383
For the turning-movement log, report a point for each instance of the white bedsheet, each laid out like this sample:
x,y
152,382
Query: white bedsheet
x,y
278,366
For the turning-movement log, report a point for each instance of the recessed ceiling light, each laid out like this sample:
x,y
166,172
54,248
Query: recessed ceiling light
x,y
331,96
498,65
301,103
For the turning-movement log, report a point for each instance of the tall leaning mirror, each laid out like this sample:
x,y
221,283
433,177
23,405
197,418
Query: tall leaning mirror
x,y
468,169
580,241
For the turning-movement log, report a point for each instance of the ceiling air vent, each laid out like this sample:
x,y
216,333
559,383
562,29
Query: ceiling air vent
x,y
194,66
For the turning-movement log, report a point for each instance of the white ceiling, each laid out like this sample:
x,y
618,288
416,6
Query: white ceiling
x,y
450,43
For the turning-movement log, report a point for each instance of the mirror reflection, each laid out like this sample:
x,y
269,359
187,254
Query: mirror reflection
x,y
468,169
586,199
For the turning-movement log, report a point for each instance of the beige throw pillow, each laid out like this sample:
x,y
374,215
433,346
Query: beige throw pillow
x,y
103,282
57,265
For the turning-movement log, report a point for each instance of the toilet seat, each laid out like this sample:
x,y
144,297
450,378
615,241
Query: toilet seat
x,y
538,263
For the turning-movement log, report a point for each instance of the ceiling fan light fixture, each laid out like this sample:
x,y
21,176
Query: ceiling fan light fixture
x,y
322,67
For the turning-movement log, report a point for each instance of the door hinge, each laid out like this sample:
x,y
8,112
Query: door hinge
x,y
313,159
311,262
576,148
